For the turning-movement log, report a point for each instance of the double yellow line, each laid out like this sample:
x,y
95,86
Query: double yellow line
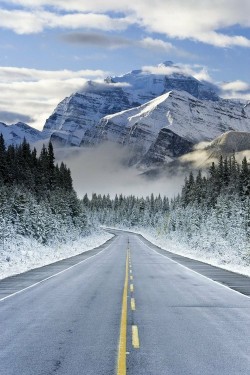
x,y
121,365
122,352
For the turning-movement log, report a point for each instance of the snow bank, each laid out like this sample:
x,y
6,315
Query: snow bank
x,y
227,260
21,254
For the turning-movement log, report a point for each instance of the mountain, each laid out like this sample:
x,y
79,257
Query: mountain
x,y
74,120
188,120
201,157
159,114
229,143
14,134
226,144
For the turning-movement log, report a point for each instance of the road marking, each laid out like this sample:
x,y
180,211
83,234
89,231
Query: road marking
x,y
131,287
121,362
133,304
55,274
135,337
131,277
130,271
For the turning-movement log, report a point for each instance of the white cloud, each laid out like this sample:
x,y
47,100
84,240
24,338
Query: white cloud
x,y
29,22
202,75
235,86
201,20
157,44
161,45
235,90
197,20
35,93
197,71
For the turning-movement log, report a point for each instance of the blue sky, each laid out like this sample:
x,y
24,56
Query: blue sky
x,y
49,48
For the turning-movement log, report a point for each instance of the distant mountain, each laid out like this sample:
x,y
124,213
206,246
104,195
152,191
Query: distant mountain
x,y
201,157
229,143
15,134
226,144
189,120
74,120
158,116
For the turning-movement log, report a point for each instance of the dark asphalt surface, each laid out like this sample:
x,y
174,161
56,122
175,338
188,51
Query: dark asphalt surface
x,y
69,324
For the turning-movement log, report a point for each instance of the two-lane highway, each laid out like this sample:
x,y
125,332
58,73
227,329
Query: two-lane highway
x,y
124,309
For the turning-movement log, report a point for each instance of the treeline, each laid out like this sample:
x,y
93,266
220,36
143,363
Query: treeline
x,y
212,213
228,177
128,211
37,198
210,217
19,165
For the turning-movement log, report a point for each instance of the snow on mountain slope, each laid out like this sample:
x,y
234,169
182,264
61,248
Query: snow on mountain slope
x,y
227,144
73,121
75,117
189,118
144,85
14,134
230,142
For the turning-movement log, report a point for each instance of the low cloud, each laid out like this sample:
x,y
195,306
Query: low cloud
x,y
236,86
104,170
235,90
197,71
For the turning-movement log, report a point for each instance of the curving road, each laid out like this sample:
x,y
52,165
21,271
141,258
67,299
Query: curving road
x,y
126,307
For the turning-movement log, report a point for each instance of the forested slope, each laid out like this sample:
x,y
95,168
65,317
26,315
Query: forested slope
x,y
37,198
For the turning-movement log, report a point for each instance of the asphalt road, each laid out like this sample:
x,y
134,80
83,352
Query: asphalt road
x,y
123,308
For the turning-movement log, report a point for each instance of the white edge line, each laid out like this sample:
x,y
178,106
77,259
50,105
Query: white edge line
x,y
197,273
55,274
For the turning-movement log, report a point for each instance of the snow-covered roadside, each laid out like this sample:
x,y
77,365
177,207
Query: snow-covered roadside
x,y
24,254
231,262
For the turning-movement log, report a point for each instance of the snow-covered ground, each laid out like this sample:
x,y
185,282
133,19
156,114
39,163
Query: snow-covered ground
x,y
23,254
229,261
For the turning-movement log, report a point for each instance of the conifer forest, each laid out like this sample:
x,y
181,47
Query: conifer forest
x,y
211,215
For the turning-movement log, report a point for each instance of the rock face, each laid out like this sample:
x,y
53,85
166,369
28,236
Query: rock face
x,y
15,134
74,120
166,148
190,119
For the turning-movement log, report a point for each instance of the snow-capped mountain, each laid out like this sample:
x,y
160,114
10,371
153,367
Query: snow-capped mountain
x,y
159,116
186,117
73,121
15,134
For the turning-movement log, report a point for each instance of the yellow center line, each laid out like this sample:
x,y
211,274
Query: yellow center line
x,y
133,304
135,337
131,287
121,361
